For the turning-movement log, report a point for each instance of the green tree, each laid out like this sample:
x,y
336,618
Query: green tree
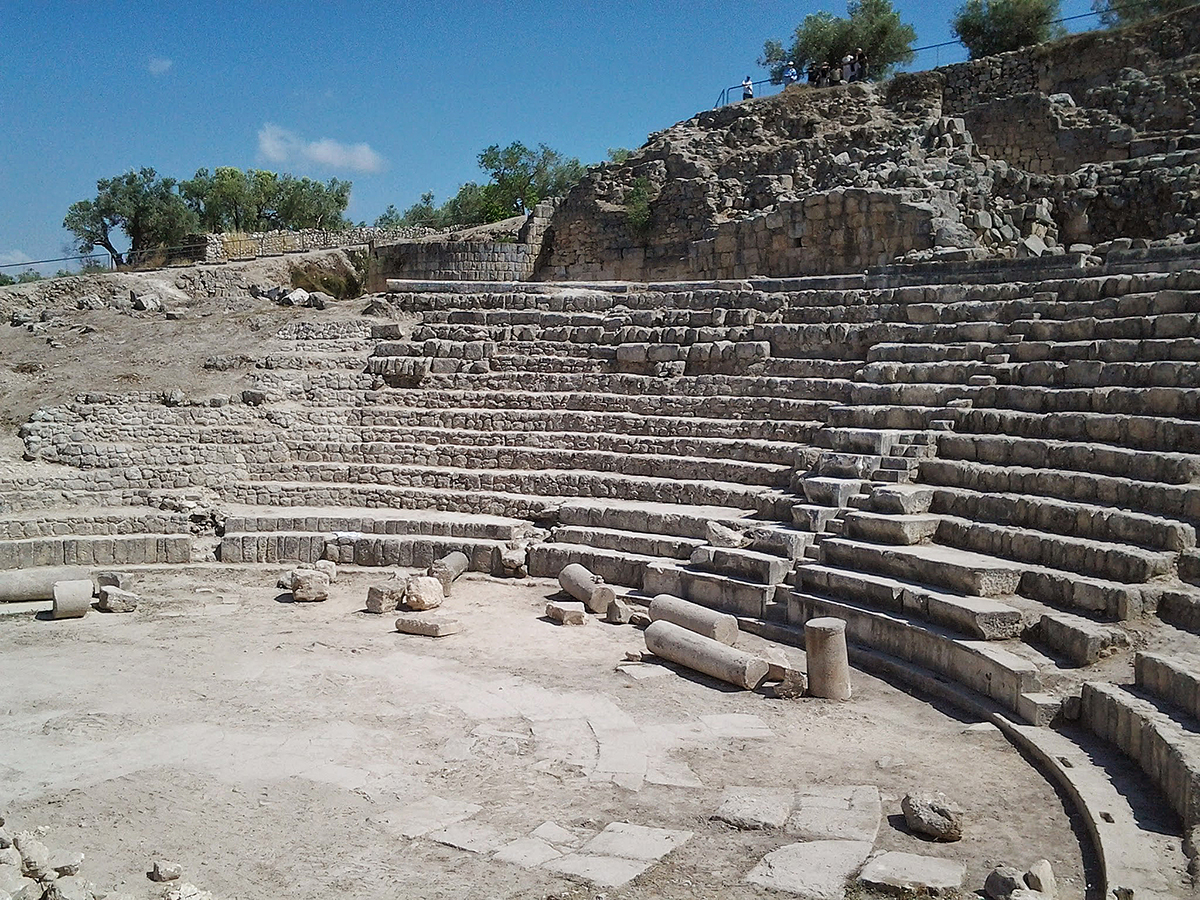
x,y
521,176
825,38
6,280
618,155
1114,13
147,208
987,27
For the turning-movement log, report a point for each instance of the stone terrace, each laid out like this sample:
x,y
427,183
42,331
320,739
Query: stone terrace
x,y
997,485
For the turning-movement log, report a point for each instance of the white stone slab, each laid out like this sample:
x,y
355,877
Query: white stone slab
x,y
836,813
814,870
636,841
472,836
606,871
526,852
553,833
737,725
429,814
909,871
751,808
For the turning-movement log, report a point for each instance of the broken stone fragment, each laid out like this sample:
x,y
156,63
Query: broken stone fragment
x,y
935,816
1003,881
566,612
35,856
310,586
1040,878
386,596
722,536
793,686
423,592
618,612
428,626
329,567
71,887
112,579
115,600
164,871
66,863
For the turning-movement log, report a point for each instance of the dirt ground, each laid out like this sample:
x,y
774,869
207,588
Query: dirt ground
x,y
276,749
107,350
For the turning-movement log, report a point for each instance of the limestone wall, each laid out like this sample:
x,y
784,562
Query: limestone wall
x,y
463,260
1073,65
450,261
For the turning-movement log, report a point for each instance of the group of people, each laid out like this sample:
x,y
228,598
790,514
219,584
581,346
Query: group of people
x,y
853,68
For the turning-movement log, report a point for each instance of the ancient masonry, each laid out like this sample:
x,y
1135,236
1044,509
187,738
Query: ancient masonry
x,y
943,384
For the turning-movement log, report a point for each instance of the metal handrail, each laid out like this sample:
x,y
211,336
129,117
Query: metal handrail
x,y
724,96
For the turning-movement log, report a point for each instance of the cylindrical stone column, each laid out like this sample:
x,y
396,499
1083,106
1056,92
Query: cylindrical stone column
x,y
18,585
712,624
449,568
828,665
72,599
588,589
677,644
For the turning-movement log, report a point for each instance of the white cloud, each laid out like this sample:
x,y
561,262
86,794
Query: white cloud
x,y
278,145
159,65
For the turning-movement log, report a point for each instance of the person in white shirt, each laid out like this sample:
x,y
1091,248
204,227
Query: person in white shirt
x,y
747,88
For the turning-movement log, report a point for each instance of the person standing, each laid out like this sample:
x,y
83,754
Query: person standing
x,y
747,88
790,75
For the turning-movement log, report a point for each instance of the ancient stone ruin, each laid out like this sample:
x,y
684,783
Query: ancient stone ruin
x,y
907,374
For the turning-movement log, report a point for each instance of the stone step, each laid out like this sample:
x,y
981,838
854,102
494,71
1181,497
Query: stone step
x,y
982,666
977,617
614,566
408,550
1168,501
883,528
1099,559
1165,748
1047,514
832,492
546,483
871,441
382,422
266,493
679,520
708,405
711,589
1171,679
517,457
814,518
327,520
935,372
932,564
94,520
1096,458
899,499
95,550
1160,433
1079,640
746,565
638,543
1182,349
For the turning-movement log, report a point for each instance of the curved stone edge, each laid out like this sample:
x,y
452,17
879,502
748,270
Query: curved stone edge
x,y
1130,868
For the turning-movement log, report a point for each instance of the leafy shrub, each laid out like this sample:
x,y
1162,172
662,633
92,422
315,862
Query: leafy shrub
x,y
637,207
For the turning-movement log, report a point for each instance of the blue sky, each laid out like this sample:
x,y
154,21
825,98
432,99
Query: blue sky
x,y
399,98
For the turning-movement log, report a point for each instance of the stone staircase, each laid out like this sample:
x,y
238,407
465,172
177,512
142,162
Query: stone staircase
x,y
996,485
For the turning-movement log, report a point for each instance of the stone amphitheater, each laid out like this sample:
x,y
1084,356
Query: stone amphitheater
x,y
923,357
